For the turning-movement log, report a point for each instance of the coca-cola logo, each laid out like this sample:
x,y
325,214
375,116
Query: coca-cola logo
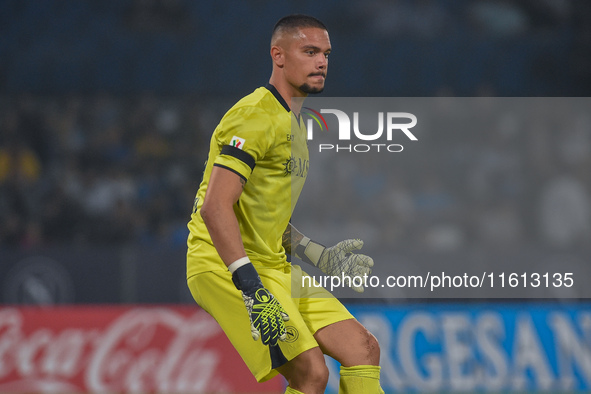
x,y
139,350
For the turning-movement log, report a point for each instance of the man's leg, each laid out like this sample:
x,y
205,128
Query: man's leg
x,y
216,293
357,350
306,373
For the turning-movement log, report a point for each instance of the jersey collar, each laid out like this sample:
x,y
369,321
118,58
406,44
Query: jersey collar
x,y
273,90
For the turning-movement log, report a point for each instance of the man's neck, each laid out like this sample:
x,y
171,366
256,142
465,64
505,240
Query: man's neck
x,y
293,97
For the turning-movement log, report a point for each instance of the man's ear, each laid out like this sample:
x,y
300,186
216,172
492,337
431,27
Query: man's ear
x,y
277,55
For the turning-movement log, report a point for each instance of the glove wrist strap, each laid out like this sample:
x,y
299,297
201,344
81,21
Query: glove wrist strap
x,y
309,251
238,263
247,279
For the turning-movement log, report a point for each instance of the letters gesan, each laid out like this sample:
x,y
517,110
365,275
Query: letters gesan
x,y
393,124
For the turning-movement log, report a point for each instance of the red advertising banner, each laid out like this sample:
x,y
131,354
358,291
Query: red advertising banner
x,y
120,349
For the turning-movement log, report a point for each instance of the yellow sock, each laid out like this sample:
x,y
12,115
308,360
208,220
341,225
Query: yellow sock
x,y
289,390
360,379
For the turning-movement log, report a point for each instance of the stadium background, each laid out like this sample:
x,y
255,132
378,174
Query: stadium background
x,y
108,106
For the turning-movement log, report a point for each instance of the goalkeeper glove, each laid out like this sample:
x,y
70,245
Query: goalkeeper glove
x,y
266,314
337,260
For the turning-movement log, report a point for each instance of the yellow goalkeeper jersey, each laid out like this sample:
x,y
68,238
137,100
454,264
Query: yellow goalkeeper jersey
x,y
262,141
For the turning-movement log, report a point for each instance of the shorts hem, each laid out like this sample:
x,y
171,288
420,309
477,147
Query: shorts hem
x,y
273,372
310,345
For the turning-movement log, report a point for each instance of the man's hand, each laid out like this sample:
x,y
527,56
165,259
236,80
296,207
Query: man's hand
x,y
337,260
266,314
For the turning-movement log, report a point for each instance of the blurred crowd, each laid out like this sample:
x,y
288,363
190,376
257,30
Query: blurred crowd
x,y
106,170
493,173
98,169
123,167
429,19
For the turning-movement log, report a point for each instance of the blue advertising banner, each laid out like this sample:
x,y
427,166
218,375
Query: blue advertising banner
x,y
503,347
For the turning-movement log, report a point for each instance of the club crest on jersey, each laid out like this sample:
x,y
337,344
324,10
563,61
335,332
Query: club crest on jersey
x,y
237,142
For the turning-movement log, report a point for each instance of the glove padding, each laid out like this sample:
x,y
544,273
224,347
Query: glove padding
x,y
339,260
266,314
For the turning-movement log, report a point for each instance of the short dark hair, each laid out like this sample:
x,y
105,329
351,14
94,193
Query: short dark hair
x,y
297,21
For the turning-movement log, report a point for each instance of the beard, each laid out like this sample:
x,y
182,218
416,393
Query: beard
x,y
310,90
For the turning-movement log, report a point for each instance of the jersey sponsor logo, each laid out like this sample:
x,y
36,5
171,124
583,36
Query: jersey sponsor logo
x,y
237,142
296,166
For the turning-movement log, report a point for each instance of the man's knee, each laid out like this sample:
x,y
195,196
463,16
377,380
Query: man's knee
x,y
307,372
350,343
366,351
316,375
373,348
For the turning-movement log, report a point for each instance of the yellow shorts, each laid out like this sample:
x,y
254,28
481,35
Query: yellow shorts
x,y
215,292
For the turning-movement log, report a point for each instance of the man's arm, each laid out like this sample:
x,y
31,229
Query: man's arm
x,y
291,238
223,191
296,244
266,314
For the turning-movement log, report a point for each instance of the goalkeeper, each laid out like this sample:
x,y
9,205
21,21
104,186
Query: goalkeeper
x,y
237,268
